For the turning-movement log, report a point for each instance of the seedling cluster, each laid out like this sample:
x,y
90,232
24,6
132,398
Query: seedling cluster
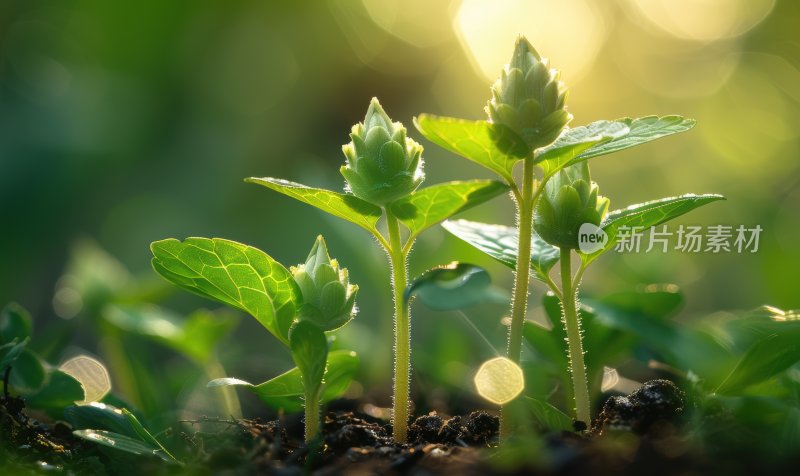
x,y
527,123
563,225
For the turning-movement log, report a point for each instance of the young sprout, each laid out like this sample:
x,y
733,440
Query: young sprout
x,y
297,307
570,201
528,123
384,165
383,170
527,111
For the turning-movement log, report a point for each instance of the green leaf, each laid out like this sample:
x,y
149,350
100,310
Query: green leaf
x,y
196,336
431,205
232,273
679,345
764,359
15,323
147,437
570,145
344,206
501,243
455,286
550,417
658,301
286,390
641,130
309,349
473,140
101,416
648,214
123,443
10,352
61,391
28,374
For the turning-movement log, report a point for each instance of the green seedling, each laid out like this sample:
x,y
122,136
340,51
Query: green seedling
x,y
297,307
527,123
25,373
383,170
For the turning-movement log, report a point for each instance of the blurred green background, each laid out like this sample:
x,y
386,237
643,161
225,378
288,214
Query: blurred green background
x,y
128,122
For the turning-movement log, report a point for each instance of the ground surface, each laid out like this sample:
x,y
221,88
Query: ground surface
x,y
635,434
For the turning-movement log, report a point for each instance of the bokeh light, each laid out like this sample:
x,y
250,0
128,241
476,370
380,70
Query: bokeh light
x,y
486,29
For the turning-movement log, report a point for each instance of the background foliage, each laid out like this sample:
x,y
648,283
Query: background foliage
x,y
125,123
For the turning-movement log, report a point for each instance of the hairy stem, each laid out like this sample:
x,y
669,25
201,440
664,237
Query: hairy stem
x,y
311,415
574,339
519,304
402,331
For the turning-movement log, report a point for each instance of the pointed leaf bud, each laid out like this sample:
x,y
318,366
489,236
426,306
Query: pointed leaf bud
x,y
528,99
383,164
328,297
570,199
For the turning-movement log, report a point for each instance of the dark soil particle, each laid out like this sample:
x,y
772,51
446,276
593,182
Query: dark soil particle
x,y
26,444
656,401
478,428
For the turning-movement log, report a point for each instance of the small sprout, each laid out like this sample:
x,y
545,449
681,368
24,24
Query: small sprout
x,y
528,123
499,380
257,284
383,164
91,374
328,297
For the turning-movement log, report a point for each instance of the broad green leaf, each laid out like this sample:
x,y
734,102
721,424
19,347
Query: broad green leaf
x,y
641,130
286,390
123,443
61,391
431,205
15,323
146,436
764,359
455,286
550,417
345,206
235,274
648,214
567,149
28,374
10,352
681,346
473,140
100,416
742,331
500,242
309,349
195,336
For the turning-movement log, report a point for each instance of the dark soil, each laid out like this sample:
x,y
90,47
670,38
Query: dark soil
x,y
27,445
640,433
355,444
